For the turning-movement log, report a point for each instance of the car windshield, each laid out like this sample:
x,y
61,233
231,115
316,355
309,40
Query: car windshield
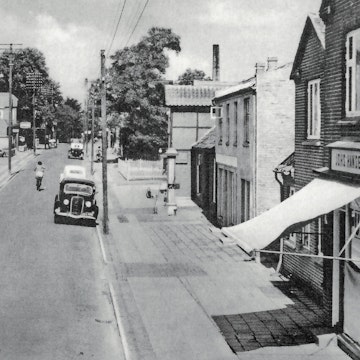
x,y
78,188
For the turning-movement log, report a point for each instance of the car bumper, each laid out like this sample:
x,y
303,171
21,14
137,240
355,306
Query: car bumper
x,y
87,216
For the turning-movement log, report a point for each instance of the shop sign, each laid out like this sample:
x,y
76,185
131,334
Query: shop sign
x,y
345,160
25,125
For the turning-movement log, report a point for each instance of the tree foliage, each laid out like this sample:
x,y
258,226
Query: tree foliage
x,y
69,122
135,91
188,77
26,61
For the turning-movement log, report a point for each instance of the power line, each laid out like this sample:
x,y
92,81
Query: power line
x,y
116,29
138,20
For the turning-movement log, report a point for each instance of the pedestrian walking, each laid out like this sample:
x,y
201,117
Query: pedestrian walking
x,y
39,174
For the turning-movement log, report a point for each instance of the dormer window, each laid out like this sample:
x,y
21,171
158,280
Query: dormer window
x,y
353,73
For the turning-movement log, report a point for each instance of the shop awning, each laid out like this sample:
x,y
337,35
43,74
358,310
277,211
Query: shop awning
x,y
317,198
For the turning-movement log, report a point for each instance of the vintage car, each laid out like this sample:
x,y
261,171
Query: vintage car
x,y
73,171
52,144
76,201
76,150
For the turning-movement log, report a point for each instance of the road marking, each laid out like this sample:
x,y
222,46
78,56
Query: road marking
x,y
119,323
103,253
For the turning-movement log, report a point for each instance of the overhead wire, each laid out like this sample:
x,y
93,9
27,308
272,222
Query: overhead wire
x,y
131,19
116,29
137,23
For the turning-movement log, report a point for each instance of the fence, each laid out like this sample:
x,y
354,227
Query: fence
x,y
141,169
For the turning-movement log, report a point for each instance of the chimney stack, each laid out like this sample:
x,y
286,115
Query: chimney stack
x,y
216,63
272,63
259,68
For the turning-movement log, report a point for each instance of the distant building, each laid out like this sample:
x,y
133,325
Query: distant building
x,y
255,132
4,112
189,119
203,174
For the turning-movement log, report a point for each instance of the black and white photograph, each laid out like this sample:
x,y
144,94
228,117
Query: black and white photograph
x,y
180,179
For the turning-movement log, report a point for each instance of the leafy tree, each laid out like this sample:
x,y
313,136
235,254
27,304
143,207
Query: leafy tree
x,y
26,61
188,77
73,103
69,123
134,87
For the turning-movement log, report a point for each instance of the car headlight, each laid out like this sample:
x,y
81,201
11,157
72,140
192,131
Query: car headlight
x,y
88,203
66,201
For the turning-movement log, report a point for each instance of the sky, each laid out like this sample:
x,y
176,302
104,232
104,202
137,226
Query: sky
x,y
71,33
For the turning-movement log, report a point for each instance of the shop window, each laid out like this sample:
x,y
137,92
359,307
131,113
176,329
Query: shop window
x,y
292,236
245,200
227,124
320,235
306,236
314,110
246,121
235,123
220,130
198,177
214,182
354,246
353,73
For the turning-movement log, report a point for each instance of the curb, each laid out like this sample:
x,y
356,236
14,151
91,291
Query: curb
x,y
119,323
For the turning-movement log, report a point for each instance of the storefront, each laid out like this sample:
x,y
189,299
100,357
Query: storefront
x,y
335,193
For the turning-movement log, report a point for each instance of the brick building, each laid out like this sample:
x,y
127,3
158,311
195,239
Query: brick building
x,y
320,221
254,134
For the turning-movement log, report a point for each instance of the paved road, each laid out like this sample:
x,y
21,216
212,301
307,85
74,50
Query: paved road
x,y
54,300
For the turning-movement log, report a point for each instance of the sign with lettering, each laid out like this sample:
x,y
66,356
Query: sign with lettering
x,y
345,160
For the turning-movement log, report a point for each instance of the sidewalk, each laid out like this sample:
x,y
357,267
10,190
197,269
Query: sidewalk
x,y
183,294
17,164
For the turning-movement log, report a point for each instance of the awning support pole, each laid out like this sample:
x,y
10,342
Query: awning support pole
x,y
353,234
308,255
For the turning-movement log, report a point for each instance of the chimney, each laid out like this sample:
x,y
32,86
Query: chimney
x,y
216,64
259,68
272,63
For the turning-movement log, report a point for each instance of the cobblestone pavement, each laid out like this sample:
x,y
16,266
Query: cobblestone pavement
x,y
296,324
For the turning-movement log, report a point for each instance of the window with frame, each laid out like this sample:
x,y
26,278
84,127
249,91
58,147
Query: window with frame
x,y
306,236
320,235
227,124
214,183
292,236
220,130
198,177
246,121
245,200
353,73
314,110
235,123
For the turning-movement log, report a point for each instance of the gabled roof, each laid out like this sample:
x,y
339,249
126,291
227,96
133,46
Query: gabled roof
x,y
314,22
191,95
246,84
207,141
4,100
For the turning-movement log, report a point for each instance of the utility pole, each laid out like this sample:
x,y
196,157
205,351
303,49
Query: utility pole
x,y
33,82
92,133
11,64
86,117
104,144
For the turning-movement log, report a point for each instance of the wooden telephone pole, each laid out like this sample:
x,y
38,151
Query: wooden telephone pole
x,y
104,144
